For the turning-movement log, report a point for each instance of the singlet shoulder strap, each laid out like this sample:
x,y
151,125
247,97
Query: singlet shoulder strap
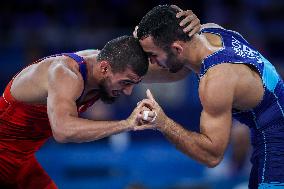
x,y
82,68
223,32
81,62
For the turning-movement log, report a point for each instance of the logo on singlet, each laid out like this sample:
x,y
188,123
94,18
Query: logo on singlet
x,y
245,51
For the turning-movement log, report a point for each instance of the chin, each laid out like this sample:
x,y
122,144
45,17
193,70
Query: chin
x,y
175,70
107,97
108,100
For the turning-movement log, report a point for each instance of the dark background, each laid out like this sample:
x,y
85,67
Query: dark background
x,y
30,30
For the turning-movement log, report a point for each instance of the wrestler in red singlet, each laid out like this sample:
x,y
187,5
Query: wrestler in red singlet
x,y
24,128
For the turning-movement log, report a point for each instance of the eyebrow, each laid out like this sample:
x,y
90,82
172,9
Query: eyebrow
x,y
132,78
132,82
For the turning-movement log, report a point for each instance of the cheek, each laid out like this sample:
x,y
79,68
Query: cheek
x,y
108,84
114,86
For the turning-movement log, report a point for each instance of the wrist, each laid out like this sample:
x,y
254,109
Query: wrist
x,y
126,125
164,125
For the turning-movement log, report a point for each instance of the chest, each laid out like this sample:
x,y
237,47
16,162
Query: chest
x,y
87,96
248,91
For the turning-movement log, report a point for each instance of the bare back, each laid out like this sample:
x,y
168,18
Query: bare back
x,y
31,84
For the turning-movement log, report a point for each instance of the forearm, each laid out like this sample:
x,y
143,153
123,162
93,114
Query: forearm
x,y
83,130
197,146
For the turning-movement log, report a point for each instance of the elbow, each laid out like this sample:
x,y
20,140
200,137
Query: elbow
x,y
61,134
213,162
60,138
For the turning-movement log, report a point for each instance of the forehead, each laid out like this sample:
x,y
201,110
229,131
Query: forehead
x,y
129,74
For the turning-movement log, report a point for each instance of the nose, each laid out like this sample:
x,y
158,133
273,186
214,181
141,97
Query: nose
x,y
128,90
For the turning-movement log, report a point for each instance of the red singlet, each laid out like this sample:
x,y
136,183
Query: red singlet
x,y
24,128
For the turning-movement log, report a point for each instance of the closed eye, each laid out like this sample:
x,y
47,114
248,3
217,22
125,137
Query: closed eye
x,y
126,83
129,82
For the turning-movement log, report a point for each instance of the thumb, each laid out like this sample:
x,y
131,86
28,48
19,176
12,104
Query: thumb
x,y
149,95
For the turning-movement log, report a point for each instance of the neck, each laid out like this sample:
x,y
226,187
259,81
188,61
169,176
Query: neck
x,y
198,49
92,75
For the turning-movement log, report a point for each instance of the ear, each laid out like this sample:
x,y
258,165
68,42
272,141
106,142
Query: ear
x,y
177,47
104,67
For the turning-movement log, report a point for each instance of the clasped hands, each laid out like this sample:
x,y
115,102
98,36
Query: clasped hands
x,y
147,114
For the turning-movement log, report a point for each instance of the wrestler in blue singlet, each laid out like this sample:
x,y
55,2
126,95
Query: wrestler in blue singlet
x,y
266,120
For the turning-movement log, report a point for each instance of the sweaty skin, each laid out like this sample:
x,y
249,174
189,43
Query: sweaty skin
x,y
57,83
191,25
221,89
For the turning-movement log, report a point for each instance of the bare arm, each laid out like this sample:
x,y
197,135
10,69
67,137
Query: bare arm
x,y
65,85
191,25
208,146
192,22
157,74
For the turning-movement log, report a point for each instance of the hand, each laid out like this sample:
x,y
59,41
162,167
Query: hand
x,y
145,118
146,123
190,23
157,112
146,115
133,119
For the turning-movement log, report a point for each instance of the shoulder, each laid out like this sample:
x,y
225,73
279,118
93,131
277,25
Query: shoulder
x,y
225,72
217,87
64,75
64,66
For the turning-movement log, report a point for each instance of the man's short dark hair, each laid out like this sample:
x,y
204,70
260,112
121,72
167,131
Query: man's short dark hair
x,y
162,24
125,52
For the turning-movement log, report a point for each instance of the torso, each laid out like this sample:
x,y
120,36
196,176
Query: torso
x,y
87,95
31,84
249,82
258,92
24,122
258,102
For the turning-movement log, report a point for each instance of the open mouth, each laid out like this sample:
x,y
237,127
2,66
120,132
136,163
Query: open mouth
x,y
116,93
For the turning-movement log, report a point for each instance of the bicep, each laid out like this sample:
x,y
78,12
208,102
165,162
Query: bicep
x,y
217,100
216,127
